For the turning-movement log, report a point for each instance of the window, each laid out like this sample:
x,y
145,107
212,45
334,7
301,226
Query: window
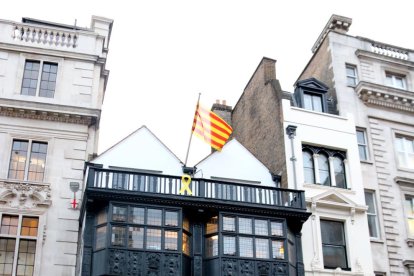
x,y
312,102
139,227
395,80
351,75
372,214
212,246
18,247
333,244
405,151
33,75
362,144
324,166
409,209
23,150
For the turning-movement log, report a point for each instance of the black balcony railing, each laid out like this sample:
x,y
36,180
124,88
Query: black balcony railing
x,y
119,180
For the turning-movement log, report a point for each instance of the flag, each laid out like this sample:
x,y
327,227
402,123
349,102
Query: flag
x,y
211,128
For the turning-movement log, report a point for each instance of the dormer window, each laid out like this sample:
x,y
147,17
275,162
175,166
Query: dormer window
x,y
310,94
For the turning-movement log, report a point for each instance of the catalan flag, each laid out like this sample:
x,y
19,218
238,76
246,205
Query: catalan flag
x,y
211,128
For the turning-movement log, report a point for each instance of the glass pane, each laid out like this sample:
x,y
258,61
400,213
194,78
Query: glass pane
x,y
278,250
246,247
119,213
229,245
339,170
153,239
262,248
101,217
212,246
372,226
25,260
362,152
334,257
29,226
317,103
154,217
7,247
171,218
136,215
261,227
308,169
100,237
37,161
171,240
9,225
186,244
369,200
332,232
18,159
323,164
245,226
211,226
136,237
360,137
307,102
229,224
30,75
277,228
186,224
350,71
118,236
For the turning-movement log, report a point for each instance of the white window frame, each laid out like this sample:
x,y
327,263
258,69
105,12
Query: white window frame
x,y
39,76
365,145
391,80
375,207
406,154
19,237
408,217
353,77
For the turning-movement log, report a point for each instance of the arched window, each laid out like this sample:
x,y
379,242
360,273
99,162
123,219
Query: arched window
x,y
308,168
324,175
339,171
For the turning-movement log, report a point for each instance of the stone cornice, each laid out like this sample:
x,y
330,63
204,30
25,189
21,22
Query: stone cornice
x,y
385,96
48,112
390,59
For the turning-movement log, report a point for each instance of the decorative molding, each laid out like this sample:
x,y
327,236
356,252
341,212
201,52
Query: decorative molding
x,y
410,242
333,198
385,96
24,195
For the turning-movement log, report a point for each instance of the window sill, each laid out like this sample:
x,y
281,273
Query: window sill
x,y
374,240
404,169
368,162
322,187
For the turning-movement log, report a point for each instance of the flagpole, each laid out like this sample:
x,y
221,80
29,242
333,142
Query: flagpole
x,y
191,133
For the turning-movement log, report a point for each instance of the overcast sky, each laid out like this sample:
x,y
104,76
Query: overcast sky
x,y
163,53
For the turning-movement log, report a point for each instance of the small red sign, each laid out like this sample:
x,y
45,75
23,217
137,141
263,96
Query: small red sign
x,y
74,203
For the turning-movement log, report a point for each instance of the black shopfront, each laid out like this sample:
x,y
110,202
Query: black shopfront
x,y
137,223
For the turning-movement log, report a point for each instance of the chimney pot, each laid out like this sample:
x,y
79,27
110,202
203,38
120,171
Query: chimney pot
x,y
217,101
224,102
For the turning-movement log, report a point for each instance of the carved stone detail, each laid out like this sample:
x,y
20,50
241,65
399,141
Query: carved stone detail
x,y
134,265
229,267
153,264
246,268
263,268
171,265
280,268
198,265
24,195
117,262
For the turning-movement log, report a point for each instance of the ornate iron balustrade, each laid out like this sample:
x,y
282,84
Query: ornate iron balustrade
x,y
120,180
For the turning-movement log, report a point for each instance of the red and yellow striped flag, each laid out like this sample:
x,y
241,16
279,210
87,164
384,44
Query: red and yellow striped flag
x,y
211,128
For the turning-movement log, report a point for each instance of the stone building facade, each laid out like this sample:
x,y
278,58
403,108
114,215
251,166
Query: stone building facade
x,y
375,82
52,84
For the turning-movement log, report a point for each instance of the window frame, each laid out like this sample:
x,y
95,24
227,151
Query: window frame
x,y
407,216
28,160
313,96
353,77
18,237
344,246
390,80
376,219
365,146
39,79
406,154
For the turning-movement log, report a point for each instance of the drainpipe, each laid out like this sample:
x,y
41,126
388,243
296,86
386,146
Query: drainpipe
x,y
291,132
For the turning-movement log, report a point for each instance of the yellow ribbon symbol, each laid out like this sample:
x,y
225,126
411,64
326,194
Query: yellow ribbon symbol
x,y
186,180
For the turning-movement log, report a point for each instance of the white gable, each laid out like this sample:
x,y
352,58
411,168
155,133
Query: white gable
x,y
141,150
237,163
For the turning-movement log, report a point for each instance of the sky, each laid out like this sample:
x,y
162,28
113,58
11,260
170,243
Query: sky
x,y
163,53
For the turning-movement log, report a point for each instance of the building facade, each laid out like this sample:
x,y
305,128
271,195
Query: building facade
x,y
143,215
315,150
52,84
375,82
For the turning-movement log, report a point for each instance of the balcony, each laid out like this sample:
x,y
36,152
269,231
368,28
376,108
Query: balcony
x,y
205,193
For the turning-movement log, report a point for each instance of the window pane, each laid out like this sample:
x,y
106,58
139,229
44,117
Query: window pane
x,y
37,161
333,244
118,236
26,257
186,244
30,75
332,232
278,250
9,225
29,226
262,248
246,247
154,217
171,240
153,239
229,224
334,257
7,247
212,246
136,237
409,209
277,228
245,226
307,101
339,171
49,80
119,213
308,169
372,226
261,227
100,237
101,217
171,218
317,103
229,245
186,224
136,215
211,226
18,159
323,163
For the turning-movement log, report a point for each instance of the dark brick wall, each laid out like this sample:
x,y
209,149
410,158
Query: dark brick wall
x,y
257,119
319,67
